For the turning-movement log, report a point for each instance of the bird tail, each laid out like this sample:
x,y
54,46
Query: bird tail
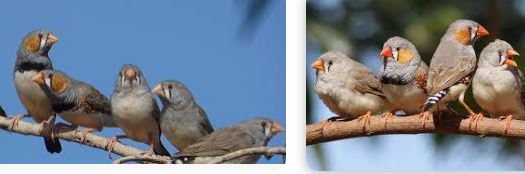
x,y
432,100
52,145
159,149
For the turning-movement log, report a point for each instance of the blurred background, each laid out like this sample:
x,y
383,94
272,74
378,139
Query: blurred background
x,y
359,28
231,54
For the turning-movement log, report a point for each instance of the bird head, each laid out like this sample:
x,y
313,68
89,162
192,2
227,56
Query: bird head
x,y
399,50
499,54
466,32
173,92
55,81
38,42
131,77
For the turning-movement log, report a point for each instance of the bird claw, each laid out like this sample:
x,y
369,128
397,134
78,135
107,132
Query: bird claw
x,y
508,120
475,118
15,120
425,116
326,123
111,144
366,120
387,116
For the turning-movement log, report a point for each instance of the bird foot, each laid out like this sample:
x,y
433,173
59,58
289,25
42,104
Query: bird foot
x,y
387,116
508,120
326,123
111,143
475,118
16,119
424,117
366,120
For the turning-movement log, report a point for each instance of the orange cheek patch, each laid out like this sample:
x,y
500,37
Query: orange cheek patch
x,y
32,44
463,36
59,83
404,56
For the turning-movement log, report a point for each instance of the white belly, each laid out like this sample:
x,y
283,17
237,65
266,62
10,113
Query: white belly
x,y
499,98
135,118
408,98
454,92
32,96
352,104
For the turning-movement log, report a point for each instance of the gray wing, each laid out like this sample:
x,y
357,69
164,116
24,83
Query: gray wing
x,y
96,100
205,122
449,65
367,82
218,143
518,75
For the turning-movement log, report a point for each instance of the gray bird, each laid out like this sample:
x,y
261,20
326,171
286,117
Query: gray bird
x,y
452,65
135,110
498,85
2,112
182,120
348,88
255,132
403,76
78,103
32,57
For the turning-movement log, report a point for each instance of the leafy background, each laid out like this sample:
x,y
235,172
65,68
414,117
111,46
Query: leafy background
x,y
359,28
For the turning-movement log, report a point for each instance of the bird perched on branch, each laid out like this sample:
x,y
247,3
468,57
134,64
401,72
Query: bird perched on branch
x,y
348,88
452,65
135,110
76,102
182,120
403,76
498,85
255,132
33,57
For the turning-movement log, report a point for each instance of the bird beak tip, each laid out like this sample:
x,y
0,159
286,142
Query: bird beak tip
x,y
157,90
318,65
386,53
276,128
51,39
482,32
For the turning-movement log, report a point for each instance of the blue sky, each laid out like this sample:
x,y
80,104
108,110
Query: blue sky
x,y
233,76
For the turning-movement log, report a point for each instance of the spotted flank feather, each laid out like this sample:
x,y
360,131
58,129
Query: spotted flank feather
x,y
432,100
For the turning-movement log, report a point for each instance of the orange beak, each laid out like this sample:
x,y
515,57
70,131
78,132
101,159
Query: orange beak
x,y
386,53
481,32
51,39
510,58
158,90
38,78
318,65
276,128
131,74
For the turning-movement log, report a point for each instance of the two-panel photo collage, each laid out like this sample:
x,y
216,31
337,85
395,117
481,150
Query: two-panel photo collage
x,y
228,86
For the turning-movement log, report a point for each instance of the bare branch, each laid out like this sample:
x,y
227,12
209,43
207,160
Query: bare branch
x,y
91,140
448,123
267,151
144,159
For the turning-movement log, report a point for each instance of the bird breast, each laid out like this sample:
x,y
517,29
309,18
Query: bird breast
x,y
32,96
498,93
408,98
348,102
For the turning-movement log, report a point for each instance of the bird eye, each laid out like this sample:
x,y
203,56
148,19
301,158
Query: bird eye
x,y
39,35
263,124
469,28
397,48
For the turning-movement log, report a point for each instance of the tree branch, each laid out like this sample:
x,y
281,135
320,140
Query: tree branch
x,y
129,153
448,123
91,140
267,151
